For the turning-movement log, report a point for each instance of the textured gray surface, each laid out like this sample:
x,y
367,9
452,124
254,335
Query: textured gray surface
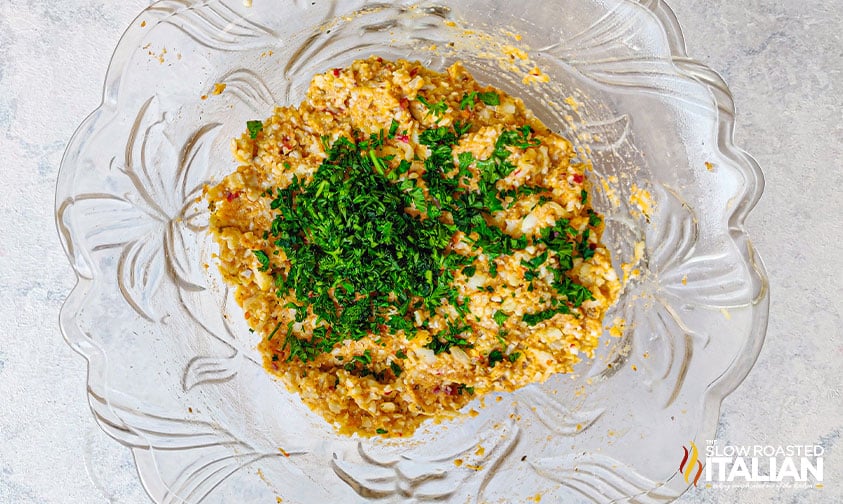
x,y
783,61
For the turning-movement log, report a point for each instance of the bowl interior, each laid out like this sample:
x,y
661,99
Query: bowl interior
x,y
175,372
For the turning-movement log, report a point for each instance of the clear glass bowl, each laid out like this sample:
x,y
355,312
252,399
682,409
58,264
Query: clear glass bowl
x,y
173,370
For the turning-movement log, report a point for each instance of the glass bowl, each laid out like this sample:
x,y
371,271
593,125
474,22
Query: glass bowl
x,y
173,371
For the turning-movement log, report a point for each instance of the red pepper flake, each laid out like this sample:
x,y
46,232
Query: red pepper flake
x,y
414,71
592,246
404,102
578,178
232,196
403,138
286,145
337,72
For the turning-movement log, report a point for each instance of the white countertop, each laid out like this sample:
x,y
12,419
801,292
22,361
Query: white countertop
x,y
784,63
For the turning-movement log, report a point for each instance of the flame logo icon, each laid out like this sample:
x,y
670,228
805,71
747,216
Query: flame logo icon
x,y
689,460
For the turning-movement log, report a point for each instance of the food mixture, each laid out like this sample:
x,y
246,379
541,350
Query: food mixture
x,y
405,241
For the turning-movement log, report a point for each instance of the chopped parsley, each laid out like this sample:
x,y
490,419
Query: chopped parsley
x,y
438,109
274,331
364,359
490,98
465,388
500,317
575,293
254,128
396,369
263,259
532,319
583,247
299,349
534,263
451,337
495,356
468,100
358,262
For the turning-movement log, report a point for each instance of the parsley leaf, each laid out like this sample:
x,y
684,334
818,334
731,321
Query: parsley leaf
x,y
438,109
272,334
532,319
468,100
495,356
465,159
490,98
461,128
444,340
263,259
396,369
575,293
300,349
254,128
500,317
584,247
535,262
365,359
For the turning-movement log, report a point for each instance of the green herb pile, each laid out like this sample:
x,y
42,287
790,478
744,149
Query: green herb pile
x,y
362,265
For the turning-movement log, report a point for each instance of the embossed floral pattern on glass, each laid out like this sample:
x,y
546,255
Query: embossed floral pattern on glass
x,y
173,370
